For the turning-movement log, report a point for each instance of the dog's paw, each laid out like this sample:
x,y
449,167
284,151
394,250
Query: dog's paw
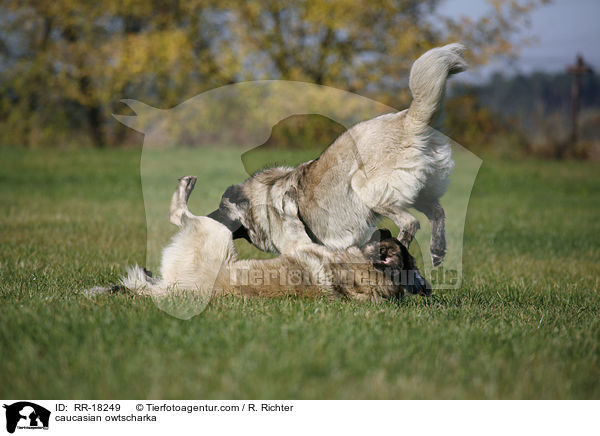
x,y
405,238
437,258
187,183
437,249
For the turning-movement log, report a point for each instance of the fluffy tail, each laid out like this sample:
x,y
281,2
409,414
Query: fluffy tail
x,y
428,81
137,280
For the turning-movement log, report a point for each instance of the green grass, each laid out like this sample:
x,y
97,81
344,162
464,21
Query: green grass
x,y
525,323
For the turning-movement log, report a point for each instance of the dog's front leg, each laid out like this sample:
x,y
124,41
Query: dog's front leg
x,y
291,234
407,223
408,226
179,200
436,216
382,199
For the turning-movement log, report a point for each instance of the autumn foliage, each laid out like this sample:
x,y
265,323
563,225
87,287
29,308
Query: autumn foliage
x,y
65,64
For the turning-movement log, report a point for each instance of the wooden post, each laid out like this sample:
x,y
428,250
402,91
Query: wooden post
x,y
579,69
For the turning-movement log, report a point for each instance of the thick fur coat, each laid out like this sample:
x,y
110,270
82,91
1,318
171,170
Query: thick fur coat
x,y
201,258
380,167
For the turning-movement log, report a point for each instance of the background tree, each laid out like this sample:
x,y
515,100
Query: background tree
x,y
65,64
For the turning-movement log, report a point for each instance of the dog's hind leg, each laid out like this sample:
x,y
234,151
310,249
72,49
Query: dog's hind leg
x,y
436,216
179,208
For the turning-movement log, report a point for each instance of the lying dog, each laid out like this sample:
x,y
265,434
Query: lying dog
x,y
201,258
380,167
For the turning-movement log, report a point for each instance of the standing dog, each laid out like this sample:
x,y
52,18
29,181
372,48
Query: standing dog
x,y
380,167
202,258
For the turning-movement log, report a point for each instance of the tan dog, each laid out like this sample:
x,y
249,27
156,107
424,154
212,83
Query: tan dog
x,y
380,167
201,258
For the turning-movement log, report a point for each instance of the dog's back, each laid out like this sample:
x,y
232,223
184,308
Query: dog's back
x,y
387,163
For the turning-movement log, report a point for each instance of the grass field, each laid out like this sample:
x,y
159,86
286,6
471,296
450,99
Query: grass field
x,y
525,323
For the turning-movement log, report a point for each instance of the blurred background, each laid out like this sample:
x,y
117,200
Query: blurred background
x,y
80,196
532,90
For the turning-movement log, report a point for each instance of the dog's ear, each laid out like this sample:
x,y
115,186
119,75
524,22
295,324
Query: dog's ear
x,y
380,235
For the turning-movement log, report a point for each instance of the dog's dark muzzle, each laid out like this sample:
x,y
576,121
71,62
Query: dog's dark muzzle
x,y
416,283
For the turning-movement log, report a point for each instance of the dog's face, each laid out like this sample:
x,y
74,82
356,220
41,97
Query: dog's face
x,y
232,212
388,255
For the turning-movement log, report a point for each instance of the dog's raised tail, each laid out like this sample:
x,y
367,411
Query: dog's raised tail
x,y
428,82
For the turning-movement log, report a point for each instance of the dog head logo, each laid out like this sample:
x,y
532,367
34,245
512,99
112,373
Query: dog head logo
x,y
222,132
26,415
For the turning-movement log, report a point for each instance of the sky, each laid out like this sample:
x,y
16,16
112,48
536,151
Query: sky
x,y
562,28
